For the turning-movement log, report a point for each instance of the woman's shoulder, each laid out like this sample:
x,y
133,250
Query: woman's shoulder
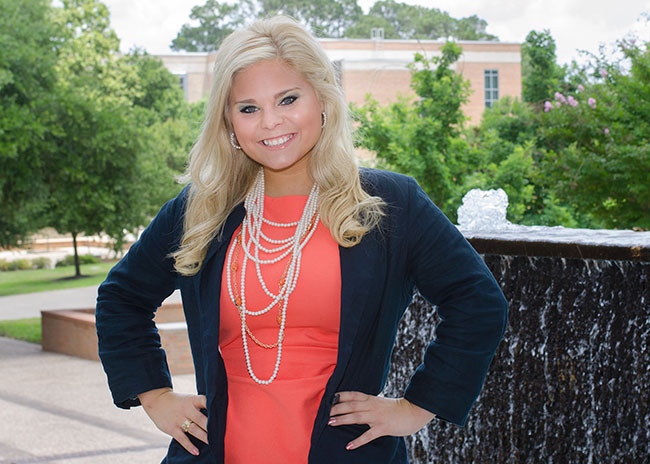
x,y
386,184
176,206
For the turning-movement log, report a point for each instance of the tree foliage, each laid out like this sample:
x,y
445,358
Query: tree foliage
x,y
541,75
325,18
416,137
112,130
403,21
27,77
580,158
214,20
600,137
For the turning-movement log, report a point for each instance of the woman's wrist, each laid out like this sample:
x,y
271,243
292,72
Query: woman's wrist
x,y
146,398
422,414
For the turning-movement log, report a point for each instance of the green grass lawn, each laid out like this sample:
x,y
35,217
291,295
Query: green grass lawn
x,y
39,280
22,329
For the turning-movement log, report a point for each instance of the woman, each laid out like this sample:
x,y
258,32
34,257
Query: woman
x,y
295,269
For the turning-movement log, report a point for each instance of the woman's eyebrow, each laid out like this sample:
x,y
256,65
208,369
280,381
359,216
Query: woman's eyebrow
x,y
277,95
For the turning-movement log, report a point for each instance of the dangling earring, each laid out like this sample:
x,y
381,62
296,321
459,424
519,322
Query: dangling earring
x,y
323,117
233,142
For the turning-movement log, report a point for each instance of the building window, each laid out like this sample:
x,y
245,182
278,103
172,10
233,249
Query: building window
x,y
491,86
182,78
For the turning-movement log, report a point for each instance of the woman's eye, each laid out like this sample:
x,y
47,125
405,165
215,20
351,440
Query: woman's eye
x,y
248,109
289,100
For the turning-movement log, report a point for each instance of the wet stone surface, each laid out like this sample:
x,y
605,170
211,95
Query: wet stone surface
x,y
569,381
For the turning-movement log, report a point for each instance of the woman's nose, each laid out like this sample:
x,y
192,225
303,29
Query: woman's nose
x,y
271,118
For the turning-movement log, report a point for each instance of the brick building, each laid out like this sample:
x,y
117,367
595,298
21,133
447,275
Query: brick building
x,y
379,67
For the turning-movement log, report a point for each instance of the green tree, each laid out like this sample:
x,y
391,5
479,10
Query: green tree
x,y
600,137
416,137
325,18
155,88
362,28
502,152
216,20
93,144
90,140
472,28
168,126
105,172
95,177
27,76
403,21
541,75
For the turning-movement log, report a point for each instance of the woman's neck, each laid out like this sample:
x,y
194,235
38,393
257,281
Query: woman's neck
x,y
280,184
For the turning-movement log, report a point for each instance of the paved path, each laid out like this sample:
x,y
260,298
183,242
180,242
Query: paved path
x,y
31,304
57,409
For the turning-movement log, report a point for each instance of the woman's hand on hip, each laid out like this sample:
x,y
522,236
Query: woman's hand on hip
x,y
386,416
172,411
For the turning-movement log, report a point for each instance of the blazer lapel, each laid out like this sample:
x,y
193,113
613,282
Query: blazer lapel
x,y
358,266
207,287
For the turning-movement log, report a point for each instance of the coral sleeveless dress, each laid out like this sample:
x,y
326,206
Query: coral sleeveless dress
x,y
273,423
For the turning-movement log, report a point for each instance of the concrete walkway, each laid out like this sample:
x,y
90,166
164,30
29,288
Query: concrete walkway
x,y
57,409
31,304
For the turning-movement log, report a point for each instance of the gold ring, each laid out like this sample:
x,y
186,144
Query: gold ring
x,y
186,425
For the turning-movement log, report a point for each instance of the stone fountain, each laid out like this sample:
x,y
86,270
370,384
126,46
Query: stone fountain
x,y
569,381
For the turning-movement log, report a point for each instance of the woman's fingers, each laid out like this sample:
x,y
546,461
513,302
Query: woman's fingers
x,y
366,437
385,416
172,412
181,437
197,431
197,417
347,402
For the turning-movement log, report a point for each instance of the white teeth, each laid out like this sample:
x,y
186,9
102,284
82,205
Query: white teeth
x,y
277,141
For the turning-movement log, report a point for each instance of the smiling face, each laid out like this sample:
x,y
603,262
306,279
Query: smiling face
x,y
276,117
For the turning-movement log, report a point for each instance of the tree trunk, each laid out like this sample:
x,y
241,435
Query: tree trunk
x,y
77,267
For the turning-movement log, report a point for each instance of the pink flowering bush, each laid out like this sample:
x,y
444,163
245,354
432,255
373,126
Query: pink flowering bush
x,y
598,153
579,156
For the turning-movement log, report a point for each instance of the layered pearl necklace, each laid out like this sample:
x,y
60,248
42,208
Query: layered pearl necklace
x,y
250,240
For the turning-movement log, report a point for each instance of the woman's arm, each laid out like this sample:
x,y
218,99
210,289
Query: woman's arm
x,y
129,344
450,274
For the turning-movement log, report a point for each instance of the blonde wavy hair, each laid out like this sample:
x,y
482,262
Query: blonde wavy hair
x,y
221,176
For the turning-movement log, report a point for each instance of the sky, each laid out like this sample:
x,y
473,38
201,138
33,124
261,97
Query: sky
x,y
574,24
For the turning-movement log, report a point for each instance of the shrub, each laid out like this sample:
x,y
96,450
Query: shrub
x,y
42,262
4,265
83,259
23,264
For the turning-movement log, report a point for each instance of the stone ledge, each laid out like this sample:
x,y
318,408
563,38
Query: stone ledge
x,y
516,240
493,246
73,332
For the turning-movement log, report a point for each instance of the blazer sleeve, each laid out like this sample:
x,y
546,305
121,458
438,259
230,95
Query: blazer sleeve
x,y
471,307
129,344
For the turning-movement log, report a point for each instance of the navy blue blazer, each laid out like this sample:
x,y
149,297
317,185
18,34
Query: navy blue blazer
x,y
416,246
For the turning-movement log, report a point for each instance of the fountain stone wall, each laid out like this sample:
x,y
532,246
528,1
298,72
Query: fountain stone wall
x,y
569,381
